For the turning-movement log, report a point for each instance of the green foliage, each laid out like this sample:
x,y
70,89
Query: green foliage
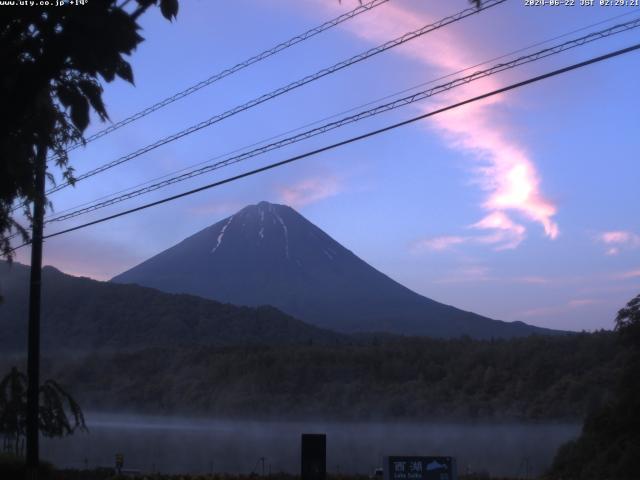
x,y
529,379
13,411
609,445
628,322
53,61
55,402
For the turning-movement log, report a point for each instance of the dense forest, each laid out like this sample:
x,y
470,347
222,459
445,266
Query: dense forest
x,y
84,315
558,378
609,445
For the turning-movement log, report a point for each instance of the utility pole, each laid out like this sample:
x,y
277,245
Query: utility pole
x,y
33,352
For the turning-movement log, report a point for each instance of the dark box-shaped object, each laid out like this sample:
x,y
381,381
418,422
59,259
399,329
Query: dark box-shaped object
x,y
313,456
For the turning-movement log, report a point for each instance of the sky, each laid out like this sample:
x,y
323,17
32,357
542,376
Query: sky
x,y
520,207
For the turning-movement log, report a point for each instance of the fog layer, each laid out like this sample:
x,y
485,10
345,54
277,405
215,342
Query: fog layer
x,y
176,445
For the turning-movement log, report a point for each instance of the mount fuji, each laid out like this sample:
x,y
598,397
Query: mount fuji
x,y
269,254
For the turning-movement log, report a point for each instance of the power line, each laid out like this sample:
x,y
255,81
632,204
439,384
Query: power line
x,y
343,112
612,30
236,68
214,78
357,138
360,116
282,90
271,166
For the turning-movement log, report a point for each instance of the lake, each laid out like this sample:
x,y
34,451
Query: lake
x,y
178,445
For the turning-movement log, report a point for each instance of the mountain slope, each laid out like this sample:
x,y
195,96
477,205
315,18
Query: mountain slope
x,y
270,254
80,314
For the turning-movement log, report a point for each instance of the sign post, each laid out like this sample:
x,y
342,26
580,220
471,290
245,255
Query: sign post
x,y
420,468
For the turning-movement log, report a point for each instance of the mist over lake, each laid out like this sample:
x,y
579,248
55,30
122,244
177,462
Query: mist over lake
x,y
180,445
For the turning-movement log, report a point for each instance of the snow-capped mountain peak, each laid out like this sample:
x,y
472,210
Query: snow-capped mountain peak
x,y
269,254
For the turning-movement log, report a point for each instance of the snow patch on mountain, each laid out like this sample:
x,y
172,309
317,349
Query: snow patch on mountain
x,y
286,232
221,235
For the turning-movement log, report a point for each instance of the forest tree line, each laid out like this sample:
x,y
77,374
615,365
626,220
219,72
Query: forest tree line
x,y
537,378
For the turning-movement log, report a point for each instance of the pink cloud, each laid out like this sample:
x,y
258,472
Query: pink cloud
x,y
629,274
619,239
504,169
438,243
309,190
506,233
93,257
